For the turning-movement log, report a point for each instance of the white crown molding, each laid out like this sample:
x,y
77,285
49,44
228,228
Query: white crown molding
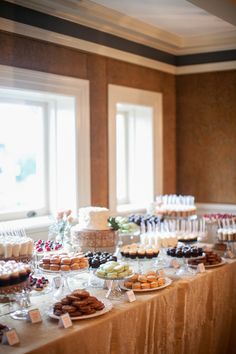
x,y
52,37
93,15
206,68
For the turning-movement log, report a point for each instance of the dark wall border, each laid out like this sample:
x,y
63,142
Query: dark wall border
x,y
34,18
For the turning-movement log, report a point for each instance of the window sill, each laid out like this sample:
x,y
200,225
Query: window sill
x,y
126,209
34,227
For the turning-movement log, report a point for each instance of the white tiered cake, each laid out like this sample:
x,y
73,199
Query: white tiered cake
x,y
93,233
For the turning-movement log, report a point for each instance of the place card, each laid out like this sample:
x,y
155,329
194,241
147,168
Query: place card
x,y
130,296
57,282
34,316
10,337
175,264
201,268
230,254
65,321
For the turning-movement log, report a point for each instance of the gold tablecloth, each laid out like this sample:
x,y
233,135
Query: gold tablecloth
x,y
194,316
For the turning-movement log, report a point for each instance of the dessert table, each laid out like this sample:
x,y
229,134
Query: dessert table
x,y
192,316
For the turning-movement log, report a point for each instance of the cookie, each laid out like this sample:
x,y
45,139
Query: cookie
x,y
69,308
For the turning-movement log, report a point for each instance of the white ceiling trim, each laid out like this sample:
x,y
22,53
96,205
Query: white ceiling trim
x,y
93,15
34,32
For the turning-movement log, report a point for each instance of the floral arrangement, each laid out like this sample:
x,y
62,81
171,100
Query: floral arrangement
x,y
122,224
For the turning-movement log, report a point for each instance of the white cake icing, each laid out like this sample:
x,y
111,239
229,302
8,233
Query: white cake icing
x,y
93,218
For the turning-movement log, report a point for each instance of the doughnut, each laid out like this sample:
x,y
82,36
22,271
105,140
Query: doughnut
x,y
65,268
54,267
74,266
145,286
68,308
65,260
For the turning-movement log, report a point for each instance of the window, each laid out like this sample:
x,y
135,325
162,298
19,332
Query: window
x,y
44,143
135,148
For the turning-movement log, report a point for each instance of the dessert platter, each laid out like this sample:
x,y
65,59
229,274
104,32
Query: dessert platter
x,y
185,251
63,262
51,246
150,281
80,305
140,251
210,260
39,285
96,259
114,271
13,276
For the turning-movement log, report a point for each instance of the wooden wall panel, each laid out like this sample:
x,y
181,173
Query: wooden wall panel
x,y
98,129
206,136
43,56
135,76
40,55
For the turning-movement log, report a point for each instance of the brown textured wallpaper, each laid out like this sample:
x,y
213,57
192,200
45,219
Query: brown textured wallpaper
x,y
38,55
206,136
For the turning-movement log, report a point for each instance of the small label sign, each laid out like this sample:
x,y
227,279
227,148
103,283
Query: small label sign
x,y
57,282
230,254
130,296
201,268
161,272
10,337
65,321
175,264
34,316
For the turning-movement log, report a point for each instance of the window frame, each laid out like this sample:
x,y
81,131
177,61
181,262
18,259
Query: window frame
x,y
120,94
78,89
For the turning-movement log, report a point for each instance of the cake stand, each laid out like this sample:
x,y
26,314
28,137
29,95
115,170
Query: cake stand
x,y
18,293
64,288
114,290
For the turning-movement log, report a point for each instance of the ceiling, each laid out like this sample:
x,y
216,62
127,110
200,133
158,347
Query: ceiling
x,y
178,17
175,26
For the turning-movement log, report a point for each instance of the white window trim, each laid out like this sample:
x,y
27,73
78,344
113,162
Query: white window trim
x,y
12,77
121,94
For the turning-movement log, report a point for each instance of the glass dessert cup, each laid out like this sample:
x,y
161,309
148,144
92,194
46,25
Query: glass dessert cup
x,y
93,281
230,251
64,288
185,270
23,300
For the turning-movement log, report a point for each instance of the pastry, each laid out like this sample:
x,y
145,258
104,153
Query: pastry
x,y
142,278
154,284
69,308
75,266
65,268
136,285
145,286
76,308
54,267
151,278
65,261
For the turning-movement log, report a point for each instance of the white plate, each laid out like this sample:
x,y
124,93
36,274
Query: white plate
x,y
210,265
168,281
107,308
106,278
82,270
